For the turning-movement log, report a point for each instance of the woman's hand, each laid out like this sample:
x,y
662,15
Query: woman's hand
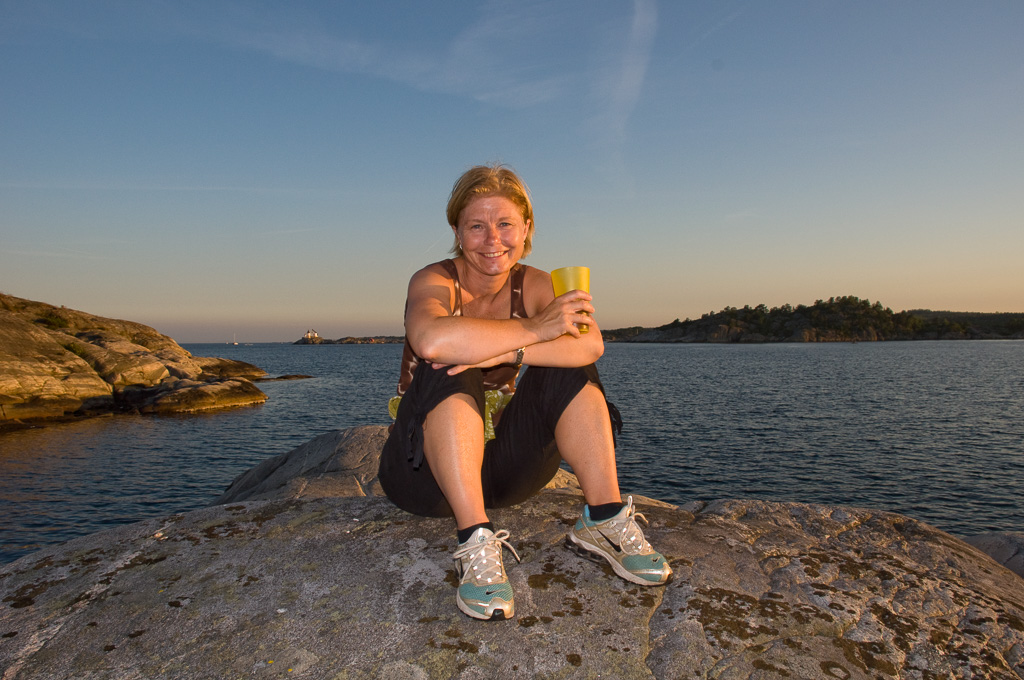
x,y
561,316
506,358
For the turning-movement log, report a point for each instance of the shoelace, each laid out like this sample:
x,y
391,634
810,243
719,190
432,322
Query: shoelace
x,y
631,536
485,558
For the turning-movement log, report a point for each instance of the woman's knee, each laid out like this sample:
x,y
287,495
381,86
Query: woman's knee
x,y
561,377
431,387
428,380
553,388
583,385
428,390
456,412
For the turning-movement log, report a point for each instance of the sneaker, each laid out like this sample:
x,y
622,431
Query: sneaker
x,y
621,541
484,591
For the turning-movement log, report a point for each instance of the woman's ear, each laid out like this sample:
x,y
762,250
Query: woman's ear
x,y
458,241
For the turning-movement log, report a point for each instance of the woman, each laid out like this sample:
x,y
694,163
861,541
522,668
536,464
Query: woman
x,y
461,442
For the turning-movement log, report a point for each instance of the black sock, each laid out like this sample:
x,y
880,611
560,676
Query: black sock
x,y
464,534
600,513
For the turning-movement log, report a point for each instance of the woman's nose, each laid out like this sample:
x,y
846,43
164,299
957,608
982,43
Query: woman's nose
x,y
493,234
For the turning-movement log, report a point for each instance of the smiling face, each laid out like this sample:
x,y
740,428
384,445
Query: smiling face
x,y
490,180
492,231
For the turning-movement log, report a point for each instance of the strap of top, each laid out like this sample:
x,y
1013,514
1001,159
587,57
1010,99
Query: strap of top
x,y
502,378
453,272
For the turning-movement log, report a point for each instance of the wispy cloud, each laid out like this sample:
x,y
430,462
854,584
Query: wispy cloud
x,y
316,49
623,82
507,56
618,87
493,59
717,22
511,55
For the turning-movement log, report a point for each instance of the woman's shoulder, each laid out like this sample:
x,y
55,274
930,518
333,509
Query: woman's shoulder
x,y
441,269
532,274
537,292
433,283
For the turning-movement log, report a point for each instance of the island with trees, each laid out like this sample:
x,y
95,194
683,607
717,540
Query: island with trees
x,y
838,319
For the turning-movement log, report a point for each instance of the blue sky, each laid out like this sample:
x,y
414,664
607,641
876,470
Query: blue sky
x,y
250,169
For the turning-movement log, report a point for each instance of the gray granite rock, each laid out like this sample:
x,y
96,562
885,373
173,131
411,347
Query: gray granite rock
x,y
326,587
337,463
1005,547
334,464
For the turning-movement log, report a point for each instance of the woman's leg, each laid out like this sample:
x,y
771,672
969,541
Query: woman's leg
x,y
569,406
553,408
431,465
453,444
584,439
406,468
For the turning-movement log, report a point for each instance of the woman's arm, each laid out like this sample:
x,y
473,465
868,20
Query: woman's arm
x,y
567,350
438,337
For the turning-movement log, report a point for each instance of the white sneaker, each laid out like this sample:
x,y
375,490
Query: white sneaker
x,y
621,541
484,591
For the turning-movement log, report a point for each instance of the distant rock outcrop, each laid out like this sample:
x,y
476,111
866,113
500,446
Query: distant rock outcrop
x,y
313,586
56,361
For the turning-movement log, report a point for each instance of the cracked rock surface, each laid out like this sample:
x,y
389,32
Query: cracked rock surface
x,y
322,586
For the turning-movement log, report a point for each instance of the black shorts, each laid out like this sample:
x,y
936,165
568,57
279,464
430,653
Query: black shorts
x,y
517,463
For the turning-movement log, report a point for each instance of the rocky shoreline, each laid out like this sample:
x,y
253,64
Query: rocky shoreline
x,y
57,363
301,569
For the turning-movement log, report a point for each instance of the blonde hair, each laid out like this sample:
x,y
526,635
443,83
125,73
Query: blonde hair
x,y
484,180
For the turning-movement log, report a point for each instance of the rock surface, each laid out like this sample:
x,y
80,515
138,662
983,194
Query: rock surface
x,y
313,586
335,464
1006,548
56,361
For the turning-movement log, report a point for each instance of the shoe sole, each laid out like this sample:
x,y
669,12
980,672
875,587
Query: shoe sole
x,y
496,614
584,549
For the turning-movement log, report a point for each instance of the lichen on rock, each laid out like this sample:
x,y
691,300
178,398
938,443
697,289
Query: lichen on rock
x,y
348,585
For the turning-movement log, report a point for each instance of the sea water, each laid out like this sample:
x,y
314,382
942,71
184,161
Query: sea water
x,y
934,430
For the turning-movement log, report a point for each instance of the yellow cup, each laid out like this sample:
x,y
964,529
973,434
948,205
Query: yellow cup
x,y
571,278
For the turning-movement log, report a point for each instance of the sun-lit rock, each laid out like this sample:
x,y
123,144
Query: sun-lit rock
x,y
56,361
